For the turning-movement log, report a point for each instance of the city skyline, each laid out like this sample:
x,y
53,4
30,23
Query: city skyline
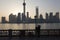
x,y
22,18
17,6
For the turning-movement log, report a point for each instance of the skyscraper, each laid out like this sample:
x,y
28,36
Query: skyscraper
x,y
37,12
12,18
51,16
41,17
19,18
23,18
57,15
27,15
47,17
3,20
36,16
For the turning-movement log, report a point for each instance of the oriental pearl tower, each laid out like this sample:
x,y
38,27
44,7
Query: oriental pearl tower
x,y
24,4
24,8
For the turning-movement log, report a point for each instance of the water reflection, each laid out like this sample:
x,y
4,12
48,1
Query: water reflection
x,y
30,26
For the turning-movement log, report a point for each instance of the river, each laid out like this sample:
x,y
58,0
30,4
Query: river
x,y
29,26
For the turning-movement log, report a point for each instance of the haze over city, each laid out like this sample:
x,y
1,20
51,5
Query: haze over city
x,y
14,6
29,19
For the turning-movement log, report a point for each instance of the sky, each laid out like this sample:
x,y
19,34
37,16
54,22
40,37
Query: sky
x,y
15,6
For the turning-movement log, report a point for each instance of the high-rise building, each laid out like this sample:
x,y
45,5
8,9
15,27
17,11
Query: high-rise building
x,y
27,15
47,17
19,18
12,18
41,17
23,17
27,18
3,20
57,15
51,16
37,12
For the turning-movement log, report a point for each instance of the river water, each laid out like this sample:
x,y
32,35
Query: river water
x,y
30,26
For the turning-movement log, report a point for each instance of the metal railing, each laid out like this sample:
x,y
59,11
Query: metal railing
x,y
30,32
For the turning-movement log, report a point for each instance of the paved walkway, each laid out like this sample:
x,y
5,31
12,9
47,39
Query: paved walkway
x,y
32,38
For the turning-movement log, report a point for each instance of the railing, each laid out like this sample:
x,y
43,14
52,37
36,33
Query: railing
x,y
27,33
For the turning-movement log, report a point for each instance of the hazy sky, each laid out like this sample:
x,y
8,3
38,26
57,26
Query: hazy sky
x,y
15,6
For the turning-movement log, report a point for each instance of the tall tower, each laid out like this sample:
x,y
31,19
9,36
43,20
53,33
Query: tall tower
x,y
24,16
37,13
24,4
